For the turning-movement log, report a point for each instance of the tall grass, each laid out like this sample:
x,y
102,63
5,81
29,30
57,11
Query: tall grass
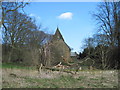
x,y
61,82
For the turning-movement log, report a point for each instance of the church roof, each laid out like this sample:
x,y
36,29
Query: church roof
x,y
57,33
58,36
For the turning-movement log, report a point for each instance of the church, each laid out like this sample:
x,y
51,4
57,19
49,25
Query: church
x,y
56,50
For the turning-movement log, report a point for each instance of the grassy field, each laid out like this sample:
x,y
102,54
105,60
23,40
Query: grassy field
x,y
15,66
14,76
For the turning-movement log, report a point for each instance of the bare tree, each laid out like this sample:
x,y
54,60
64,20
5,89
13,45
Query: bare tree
x,y
17,29
101,50
21,35
107,17
9,7
89,44
108,21
34,42
10,30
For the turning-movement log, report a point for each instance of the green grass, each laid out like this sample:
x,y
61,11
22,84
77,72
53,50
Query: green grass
x,y
64,82
16,66
81,77
61,82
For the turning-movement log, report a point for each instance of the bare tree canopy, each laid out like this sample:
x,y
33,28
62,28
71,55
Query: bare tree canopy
x,y
21,35
104,46
108,21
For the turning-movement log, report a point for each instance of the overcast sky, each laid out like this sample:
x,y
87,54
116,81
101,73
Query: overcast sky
x,y
73,19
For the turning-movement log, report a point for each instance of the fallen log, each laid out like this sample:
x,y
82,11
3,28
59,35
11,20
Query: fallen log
x,y
56,69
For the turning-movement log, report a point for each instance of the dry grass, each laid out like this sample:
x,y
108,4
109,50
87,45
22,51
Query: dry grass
x,y
23,78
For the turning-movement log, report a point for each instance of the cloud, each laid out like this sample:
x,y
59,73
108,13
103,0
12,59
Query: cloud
x,y
35,16
67,15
